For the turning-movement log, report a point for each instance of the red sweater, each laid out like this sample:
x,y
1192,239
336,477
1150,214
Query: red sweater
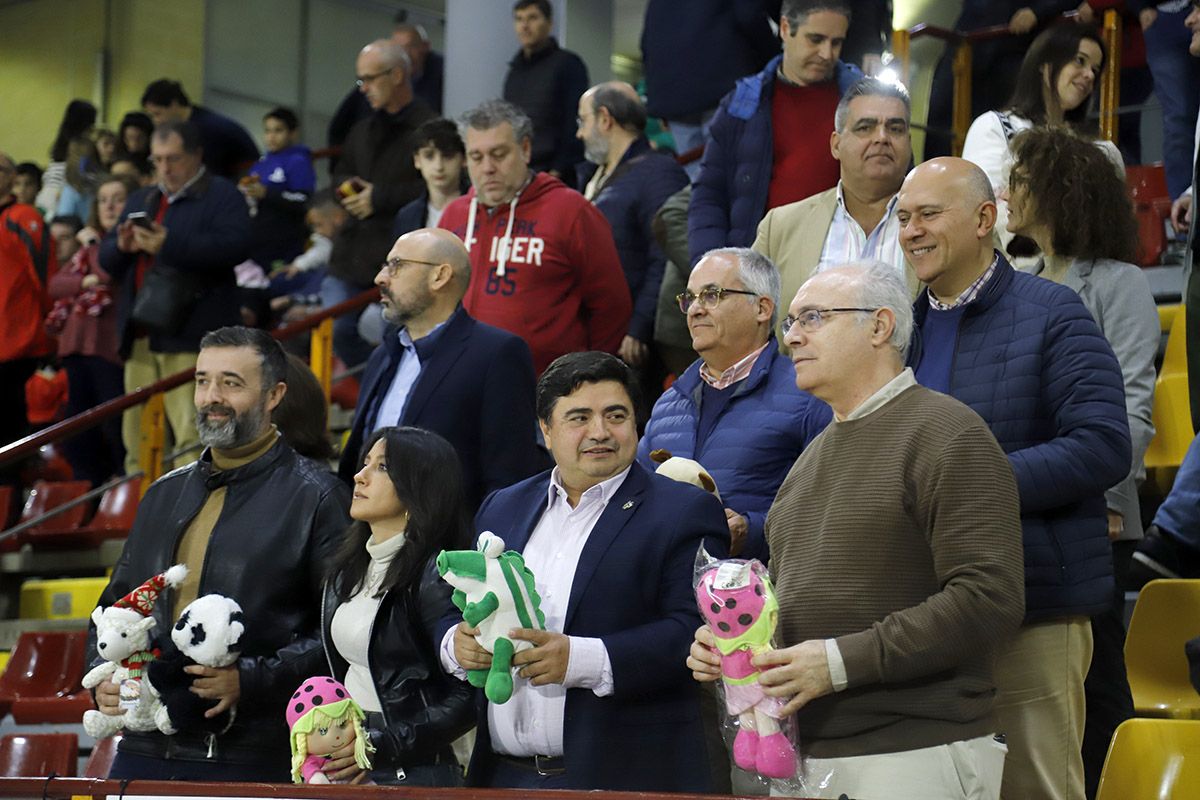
x,y
26,253
802,122
561,288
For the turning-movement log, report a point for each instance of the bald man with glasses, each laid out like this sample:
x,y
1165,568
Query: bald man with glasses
x,y
736,409
440,369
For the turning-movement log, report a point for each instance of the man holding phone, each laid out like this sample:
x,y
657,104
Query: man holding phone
x,y
173,254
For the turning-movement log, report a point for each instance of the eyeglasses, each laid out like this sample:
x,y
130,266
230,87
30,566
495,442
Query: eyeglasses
x,y
709,296
368,78
393,265
812,319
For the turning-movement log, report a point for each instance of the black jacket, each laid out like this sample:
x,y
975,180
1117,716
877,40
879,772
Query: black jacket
x,y
547,87
379,150
282,517
208,234
424,709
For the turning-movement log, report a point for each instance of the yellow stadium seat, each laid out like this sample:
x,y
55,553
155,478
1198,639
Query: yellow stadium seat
x,y
65,598
1166,316
1172,413
4,654
1167,614
1157,759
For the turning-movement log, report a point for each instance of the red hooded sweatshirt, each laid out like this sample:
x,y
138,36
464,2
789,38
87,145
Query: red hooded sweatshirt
x,y
26,256
545,268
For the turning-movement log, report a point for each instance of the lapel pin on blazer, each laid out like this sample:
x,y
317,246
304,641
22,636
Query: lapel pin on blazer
x,y
628,505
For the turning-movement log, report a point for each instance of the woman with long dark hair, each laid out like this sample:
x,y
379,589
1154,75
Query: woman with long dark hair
x,y
71,146
1064,194
1055,86
383,600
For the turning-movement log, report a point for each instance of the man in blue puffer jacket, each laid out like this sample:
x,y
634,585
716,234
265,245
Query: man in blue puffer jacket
x,y
1025,354
736,410
769,140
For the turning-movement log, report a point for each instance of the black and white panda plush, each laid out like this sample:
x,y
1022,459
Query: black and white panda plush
x,y
208,633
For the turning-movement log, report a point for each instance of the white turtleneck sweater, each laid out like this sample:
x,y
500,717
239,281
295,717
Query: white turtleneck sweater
x,y
351,627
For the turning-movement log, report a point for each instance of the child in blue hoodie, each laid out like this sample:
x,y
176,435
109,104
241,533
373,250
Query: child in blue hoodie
x,y
278,189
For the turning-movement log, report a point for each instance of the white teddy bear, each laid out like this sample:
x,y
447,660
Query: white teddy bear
x,y
123,641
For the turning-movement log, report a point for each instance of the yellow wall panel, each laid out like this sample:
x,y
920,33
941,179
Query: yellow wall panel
x,y
50,51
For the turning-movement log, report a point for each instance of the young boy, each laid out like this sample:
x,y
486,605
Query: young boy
x,y
277,189
27,182
298,285
438,155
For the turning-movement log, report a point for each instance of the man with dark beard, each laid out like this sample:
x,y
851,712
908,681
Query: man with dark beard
x,y
252,521
440,369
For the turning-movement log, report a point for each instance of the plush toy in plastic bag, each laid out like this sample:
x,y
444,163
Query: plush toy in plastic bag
x,y
738,602
495,592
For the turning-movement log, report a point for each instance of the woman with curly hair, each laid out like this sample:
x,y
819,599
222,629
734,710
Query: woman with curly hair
x,y
1054,87
1064,194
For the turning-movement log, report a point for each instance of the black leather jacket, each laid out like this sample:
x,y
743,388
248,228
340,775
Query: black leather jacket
x,y
283,516
424,709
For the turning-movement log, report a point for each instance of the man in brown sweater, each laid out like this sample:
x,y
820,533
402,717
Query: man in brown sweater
x,y
896,552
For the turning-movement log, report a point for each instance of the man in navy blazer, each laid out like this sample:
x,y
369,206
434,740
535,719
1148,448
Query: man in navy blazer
x,y
442,370
602,700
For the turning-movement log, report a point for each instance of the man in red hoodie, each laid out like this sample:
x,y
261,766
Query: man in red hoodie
x,y
543,262
26,253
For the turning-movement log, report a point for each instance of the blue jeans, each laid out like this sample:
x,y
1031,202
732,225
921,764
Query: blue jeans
x,y
688,137
1177,85
347,344
1179,514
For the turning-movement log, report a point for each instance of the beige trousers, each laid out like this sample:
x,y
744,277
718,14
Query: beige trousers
x,y
142,369
967,770
1040,705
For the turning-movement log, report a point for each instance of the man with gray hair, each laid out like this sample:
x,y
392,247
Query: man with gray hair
x,y
628,181
736,409
856,219
896,553
543,262
440,369
374,178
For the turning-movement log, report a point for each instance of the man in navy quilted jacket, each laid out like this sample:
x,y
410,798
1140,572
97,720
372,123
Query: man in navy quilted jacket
x,y
736,409
1025,354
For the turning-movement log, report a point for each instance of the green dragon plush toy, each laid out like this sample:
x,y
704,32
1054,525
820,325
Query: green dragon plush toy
x,y
495,592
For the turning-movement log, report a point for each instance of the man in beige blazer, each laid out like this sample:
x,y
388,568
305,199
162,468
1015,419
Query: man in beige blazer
x,y
856,219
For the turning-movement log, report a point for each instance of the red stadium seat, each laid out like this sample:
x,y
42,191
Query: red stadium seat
x,y
59,530
45,665
100,761
114,517
38,755
6,508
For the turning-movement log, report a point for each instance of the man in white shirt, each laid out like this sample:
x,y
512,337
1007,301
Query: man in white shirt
x,y
856,219
602,700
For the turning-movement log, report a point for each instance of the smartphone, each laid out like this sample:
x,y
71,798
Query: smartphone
x,y
141,219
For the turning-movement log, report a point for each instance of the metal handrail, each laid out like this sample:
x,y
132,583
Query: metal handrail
x,y
963,40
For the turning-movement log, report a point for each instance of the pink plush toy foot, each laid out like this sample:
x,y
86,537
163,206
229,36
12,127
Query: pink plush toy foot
x,y
775,758
745,749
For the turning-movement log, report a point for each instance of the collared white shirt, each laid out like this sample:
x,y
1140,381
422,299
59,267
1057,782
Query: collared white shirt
x,y
846,241
884,395
391,407
531,722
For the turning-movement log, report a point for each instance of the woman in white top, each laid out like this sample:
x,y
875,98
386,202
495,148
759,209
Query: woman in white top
x,y
1054,87
383,604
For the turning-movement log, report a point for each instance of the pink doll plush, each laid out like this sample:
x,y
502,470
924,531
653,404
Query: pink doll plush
x,y
322,718
739,604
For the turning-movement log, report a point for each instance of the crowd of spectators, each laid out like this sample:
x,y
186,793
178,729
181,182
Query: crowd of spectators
x,y
923,393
